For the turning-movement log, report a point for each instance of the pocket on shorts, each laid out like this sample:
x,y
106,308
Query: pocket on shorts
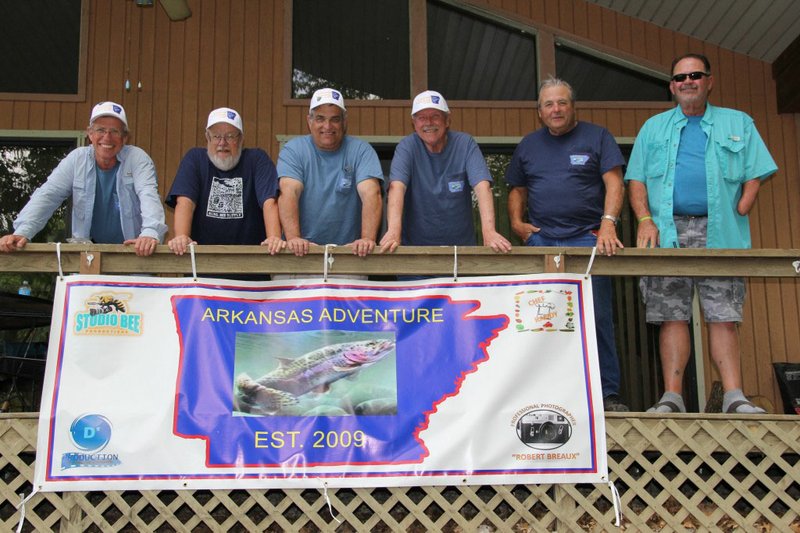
x,y
643,289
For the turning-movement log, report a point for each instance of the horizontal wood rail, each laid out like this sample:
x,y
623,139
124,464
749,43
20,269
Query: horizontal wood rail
x,y
434,260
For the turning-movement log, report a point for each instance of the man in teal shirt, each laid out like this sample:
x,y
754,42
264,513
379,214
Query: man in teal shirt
x,y
693,177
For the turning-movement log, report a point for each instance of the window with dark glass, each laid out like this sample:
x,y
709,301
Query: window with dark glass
x,y
595,79
25,164
359,47
42,46
471,58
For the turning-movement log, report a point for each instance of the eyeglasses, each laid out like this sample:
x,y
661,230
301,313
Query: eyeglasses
x,y
114,132
694,76
230,138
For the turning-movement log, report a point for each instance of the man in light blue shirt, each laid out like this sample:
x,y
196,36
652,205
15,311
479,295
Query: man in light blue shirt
x,y
330,183
693,177
113,186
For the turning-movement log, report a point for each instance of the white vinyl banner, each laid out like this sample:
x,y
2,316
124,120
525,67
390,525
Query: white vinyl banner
x,y
171,383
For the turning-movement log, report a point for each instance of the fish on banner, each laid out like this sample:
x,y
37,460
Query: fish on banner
x,y
229,384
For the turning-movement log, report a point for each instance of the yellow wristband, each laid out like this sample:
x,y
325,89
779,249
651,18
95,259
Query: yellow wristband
x,y
648,217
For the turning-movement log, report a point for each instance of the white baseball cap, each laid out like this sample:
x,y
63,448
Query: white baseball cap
x,y
227,115
109,109
429,100
326,96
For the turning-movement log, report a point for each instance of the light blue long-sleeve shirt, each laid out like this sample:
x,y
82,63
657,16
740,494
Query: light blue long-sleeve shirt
x,y
141,211
734,154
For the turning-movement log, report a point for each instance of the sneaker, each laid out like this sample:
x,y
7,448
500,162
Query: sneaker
x,y
613,403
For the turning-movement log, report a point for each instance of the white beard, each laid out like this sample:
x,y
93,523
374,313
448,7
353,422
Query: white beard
x,y
224,164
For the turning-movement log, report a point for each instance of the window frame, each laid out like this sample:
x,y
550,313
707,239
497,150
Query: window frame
x,y
80,95
545,38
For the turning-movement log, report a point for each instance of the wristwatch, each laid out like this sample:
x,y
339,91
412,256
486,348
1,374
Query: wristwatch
x,y
612,218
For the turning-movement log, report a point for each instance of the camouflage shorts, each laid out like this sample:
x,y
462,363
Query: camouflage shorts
x,y
670,298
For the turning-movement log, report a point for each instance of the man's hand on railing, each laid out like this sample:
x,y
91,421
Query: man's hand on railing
x,y
144,246
496,242
362,247
390,241
12,243
298,246
274,244
647,234
180,244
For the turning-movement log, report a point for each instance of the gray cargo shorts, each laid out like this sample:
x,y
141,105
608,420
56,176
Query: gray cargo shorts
x,y
669,298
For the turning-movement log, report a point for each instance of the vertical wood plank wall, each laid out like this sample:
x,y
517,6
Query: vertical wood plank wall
x,y
233,52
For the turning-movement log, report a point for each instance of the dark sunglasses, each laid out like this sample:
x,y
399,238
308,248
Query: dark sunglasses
x,y
694,76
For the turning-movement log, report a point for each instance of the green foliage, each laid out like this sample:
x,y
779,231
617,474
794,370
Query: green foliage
x,y
22,170
304,85
497,164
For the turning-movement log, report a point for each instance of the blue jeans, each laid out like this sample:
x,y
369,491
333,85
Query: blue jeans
x,y
603,293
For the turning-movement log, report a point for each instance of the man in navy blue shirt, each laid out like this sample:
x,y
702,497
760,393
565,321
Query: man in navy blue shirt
x,y
567,178
225,194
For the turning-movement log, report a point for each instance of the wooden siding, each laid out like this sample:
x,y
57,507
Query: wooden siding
x,y
234,53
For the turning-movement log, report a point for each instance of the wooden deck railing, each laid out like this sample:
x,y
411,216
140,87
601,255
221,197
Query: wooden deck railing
x,y
436,260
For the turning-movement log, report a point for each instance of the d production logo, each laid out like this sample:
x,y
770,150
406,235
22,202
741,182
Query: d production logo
x,y
90,433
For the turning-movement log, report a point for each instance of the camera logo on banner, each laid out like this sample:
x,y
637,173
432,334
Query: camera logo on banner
x,y
544,310
108,314
90,433
544,429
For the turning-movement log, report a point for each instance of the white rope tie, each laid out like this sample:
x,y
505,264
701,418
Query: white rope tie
x,y
455,263
328,500
796,266
58,256
591,262
557,262
327,261
194,261
21,507
616,501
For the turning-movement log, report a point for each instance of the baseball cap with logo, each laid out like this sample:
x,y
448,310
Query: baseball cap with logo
x,y
227,115
429,100
109,109
326,96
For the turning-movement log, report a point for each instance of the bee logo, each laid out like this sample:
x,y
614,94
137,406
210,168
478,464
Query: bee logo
x,y
108,314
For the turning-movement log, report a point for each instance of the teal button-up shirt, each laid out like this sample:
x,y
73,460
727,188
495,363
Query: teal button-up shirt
x,y
735,153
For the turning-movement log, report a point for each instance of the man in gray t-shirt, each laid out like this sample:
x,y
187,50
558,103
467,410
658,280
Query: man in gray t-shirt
x,y
433,175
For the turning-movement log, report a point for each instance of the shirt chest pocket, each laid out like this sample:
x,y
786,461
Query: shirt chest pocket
x,y
344,180
655,167
455,188
730,158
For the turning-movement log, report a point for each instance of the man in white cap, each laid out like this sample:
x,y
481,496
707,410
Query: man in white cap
x,y
434,172
113,186
225,194
330,182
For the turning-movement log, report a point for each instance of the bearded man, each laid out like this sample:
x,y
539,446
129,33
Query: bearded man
x,y
225,194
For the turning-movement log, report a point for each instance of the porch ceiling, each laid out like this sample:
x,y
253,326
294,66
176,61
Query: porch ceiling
x,y
761,29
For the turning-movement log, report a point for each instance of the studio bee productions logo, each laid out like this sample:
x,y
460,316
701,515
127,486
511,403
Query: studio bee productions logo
x,y
108,314
90,433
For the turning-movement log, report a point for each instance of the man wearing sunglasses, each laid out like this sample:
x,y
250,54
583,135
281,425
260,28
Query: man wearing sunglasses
x,y
113,187
693,177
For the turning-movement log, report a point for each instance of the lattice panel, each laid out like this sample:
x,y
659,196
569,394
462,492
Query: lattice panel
x,y
674,473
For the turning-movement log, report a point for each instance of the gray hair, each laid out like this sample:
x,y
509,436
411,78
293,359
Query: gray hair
x,y
344,112
557,82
